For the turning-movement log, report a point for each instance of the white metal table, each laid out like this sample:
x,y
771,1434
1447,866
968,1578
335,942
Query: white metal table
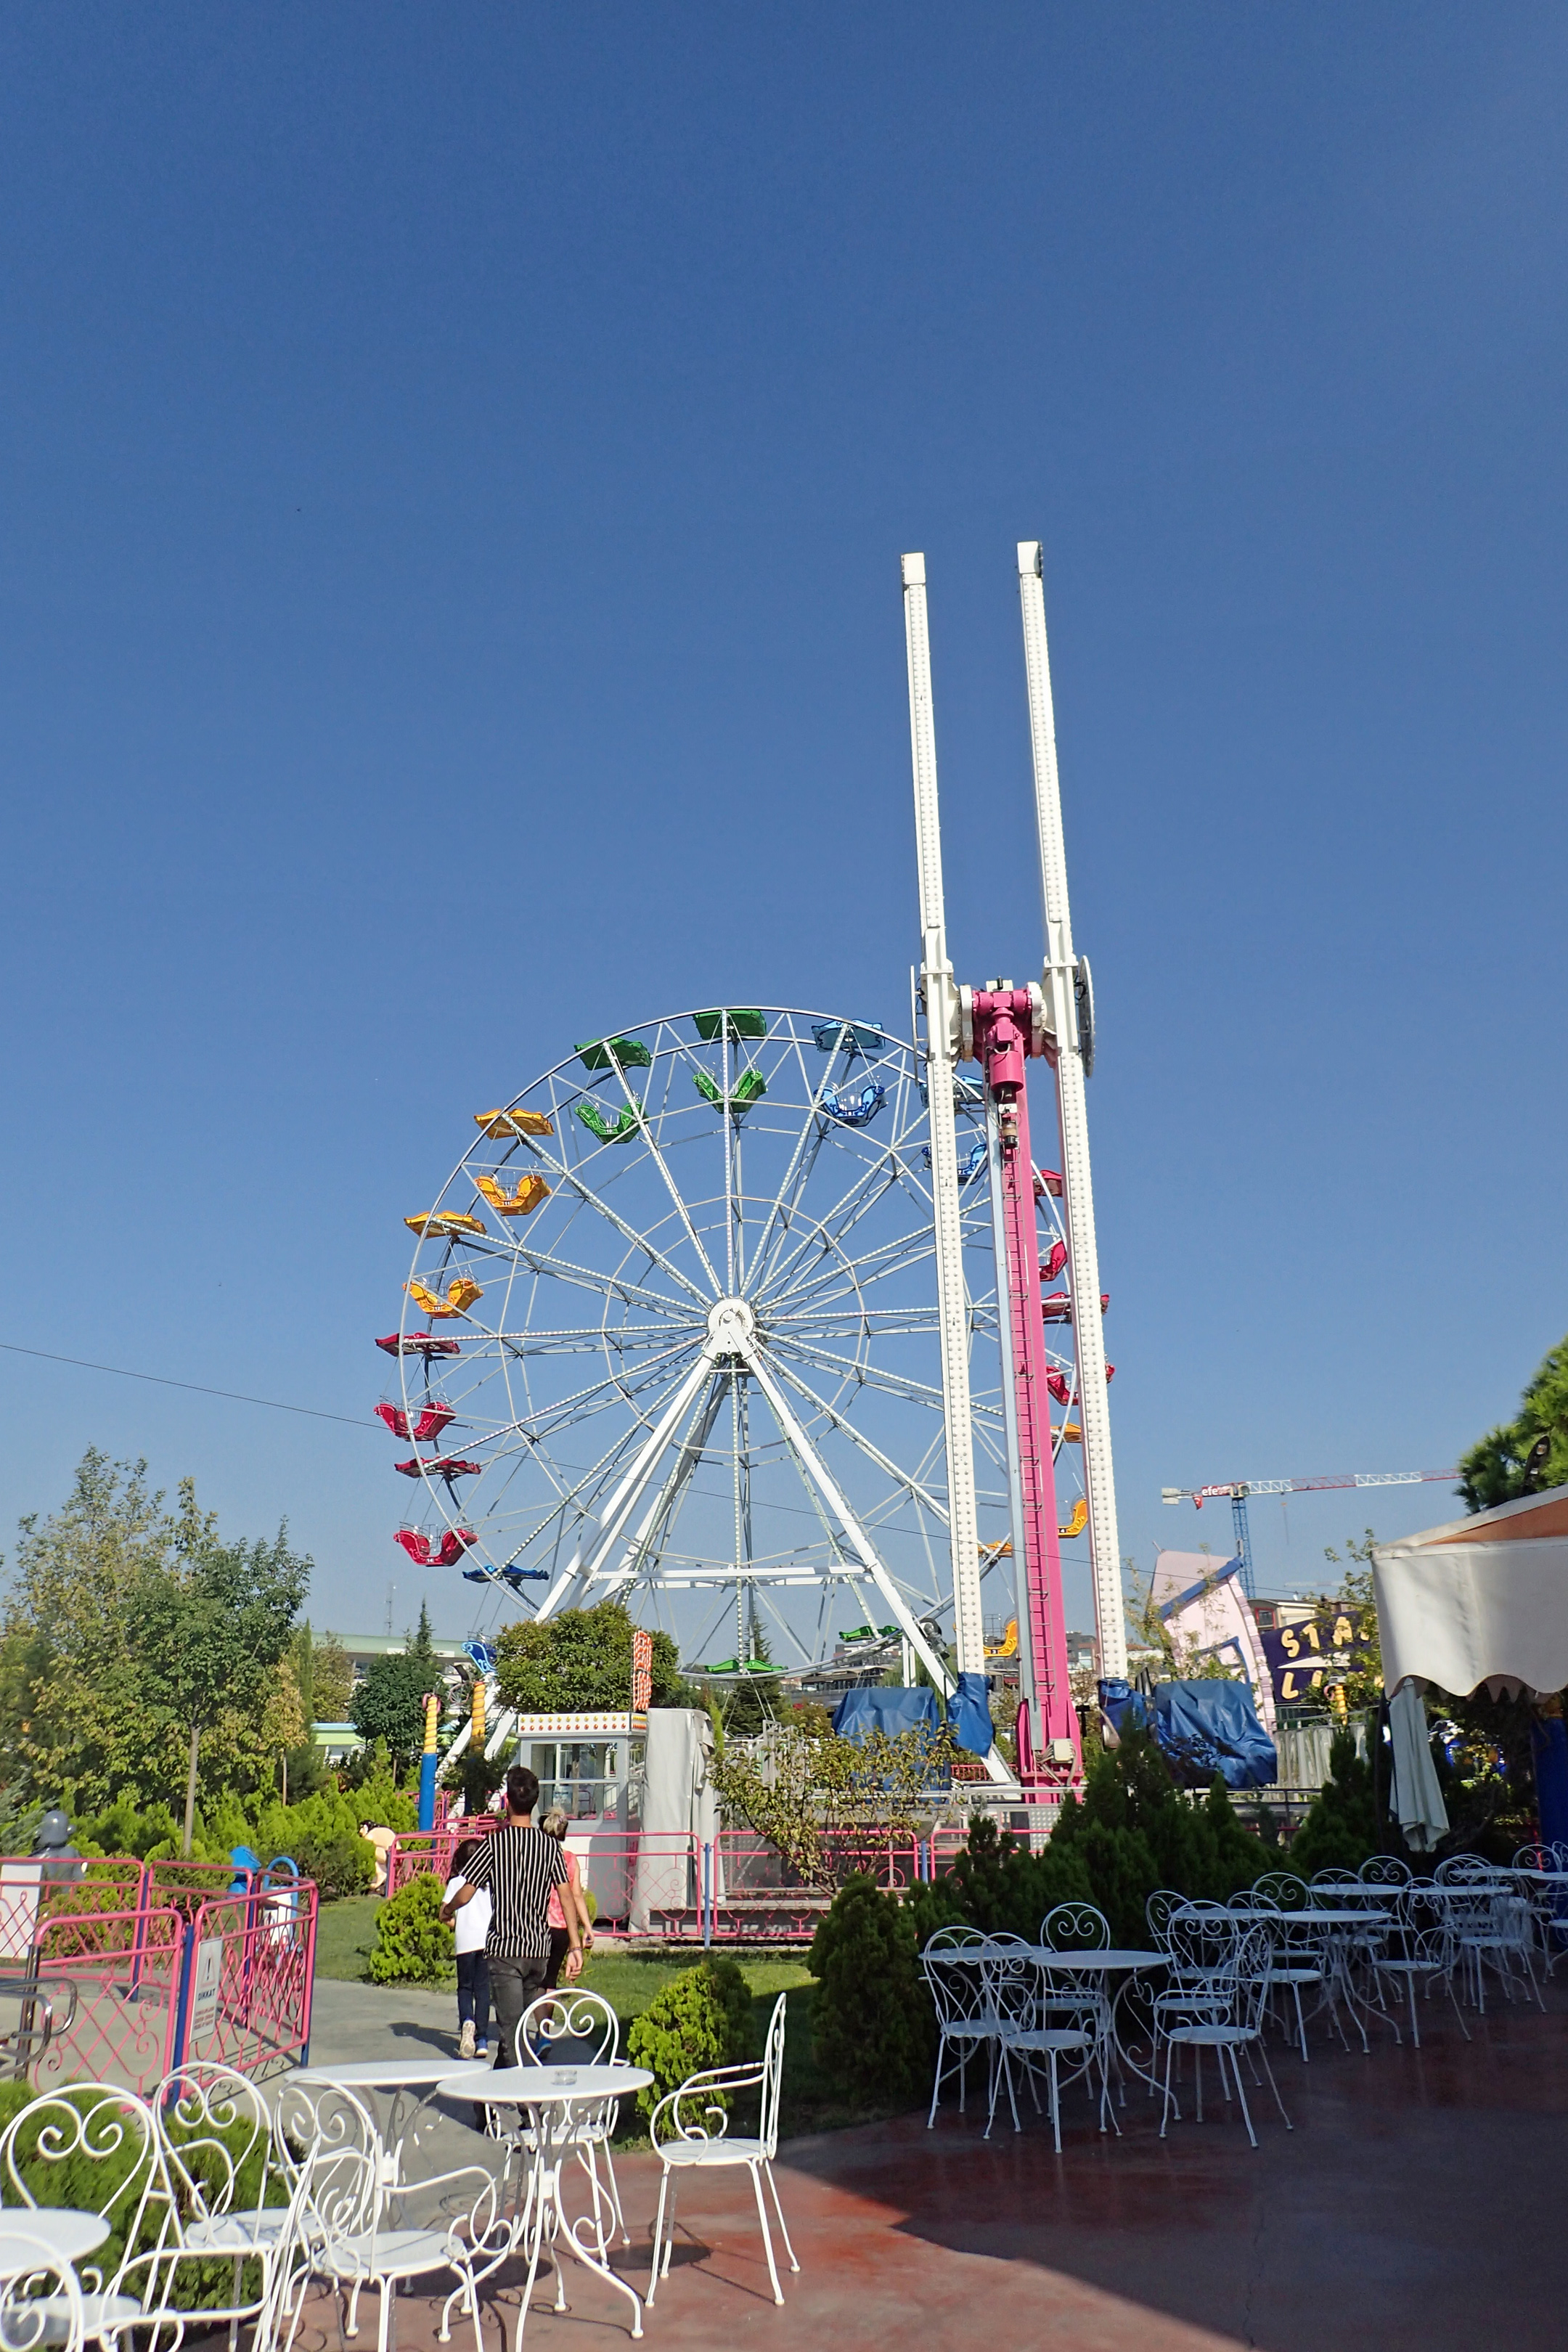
x,y
427,2072
65,2233
559,2100
1115,1960
1341,1925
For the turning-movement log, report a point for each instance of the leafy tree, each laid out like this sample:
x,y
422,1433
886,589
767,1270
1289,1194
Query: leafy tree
x,y
828,1804
332,1680
210,1629
70,1678
388,1703
581,1660
422,1650
1528,1452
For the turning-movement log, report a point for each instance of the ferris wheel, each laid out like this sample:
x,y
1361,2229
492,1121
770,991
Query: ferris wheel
x,y
670,1337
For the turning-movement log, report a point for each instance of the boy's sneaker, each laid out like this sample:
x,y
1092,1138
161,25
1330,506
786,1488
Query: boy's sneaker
x,y
466,2039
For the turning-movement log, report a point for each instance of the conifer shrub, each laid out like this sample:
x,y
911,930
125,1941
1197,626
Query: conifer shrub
x,y
413,1944
872,2026
702,2018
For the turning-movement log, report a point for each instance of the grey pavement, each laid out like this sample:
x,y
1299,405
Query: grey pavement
x,y
364,2020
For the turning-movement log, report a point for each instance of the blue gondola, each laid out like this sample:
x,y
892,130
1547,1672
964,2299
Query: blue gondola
x,y
855,1110
853,1036
970,1168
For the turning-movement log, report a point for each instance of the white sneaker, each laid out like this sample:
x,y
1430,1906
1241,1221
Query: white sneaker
x,y
466,2039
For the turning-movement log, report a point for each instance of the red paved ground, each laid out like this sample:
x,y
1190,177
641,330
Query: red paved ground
x,y
1417,2206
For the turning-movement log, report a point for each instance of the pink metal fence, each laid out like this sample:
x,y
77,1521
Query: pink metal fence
x,y
130,1938
671,1887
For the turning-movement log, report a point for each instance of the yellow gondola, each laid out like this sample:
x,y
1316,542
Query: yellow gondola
x,y
504,1123
460,1295
435,1224
1077,1524
522,1203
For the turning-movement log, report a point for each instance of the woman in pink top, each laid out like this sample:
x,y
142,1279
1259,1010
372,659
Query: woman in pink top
x,y
555,1826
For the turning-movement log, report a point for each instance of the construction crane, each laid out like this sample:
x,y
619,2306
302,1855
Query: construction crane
x,y
1238,1489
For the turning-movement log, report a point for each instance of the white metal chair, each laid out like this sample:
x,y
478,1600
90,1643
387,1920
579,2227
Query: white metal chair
x,y
1280,1890
690,2130
1023,1994
1492,1928
1384,1870
966,2019
1467,1870
1548,1905
348,2241
1245,1984
1297,1957
216,2128
1413,1955
159,2285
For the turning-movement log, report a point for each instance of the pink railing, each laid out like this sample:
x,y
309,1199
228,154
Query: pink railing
x,y
130,1940
671,1887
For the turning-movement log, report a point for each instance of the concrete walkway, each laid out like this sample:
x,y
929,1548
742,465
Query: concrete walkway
x,y
366,2020
1414,2208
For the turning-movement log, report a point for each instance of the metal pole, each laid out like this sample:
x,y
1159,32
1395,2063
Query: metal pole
x,y
1064,978
1026,1689
941,1042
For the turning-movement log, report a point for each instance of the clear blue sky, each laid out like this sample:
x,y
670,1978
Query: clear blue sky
x,y
453,467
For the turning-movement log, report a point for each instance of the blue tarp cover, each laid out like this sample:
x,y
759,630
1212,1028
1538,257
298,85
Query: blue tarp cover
x,y
1204,1727
1124,1706
969,1713
892,1711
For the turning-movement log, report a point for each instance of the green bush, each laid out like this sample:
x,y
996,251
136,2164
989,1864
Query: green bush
x,y
998,1886
702,2019
413,1944
340,1865
873,2028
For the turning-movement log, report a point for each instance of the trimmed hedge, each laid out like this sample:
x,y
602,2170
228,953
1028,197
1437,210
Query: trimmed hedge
x,y
702,2018
413,1945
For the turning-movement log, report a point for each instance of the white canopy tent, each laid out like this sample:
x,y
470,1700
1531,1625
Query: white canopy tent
x,y
1481,1601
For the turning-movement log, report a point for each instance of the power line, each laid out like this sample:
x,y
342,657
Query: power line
x,y
196,1388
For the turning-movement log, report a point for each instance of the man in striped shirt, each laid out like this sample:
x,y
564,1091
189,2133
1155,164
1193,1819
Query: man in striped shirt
x,y
520,1867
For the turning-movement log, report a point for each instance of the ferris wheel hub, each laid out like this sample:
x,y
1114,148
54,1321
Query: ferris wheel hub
x,y
731,1328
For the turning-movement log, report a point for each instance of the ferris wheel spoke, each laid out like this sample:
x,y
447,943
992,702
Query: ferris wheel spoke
x,y
586,1277
839,1277
912,1485
579,1570
590,1338
863,1375
843,1511
797,1177
661,1164
591,1199
882,1322
823,1231
656,1529
585,1403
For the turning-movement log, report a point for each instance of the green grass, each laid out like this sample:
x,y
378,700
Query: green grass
x,y
344,1931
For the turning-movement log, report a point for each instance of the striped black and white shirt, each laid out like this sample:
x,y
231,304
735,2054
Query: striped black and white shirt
x,y
519,1867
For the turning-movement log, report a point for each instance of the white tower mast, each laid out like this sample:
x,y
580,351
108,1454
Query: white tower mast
x,y
942,1046
1069,1001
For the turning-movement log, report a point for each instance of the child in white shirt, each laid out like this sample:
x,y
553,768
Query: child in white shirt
x,y
470,1927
